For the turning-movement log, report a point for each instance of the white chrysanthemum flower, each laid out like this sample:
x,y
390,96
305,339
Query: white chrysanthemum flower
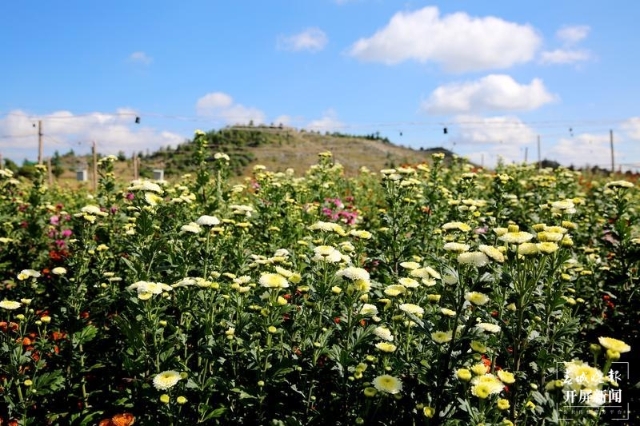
x,y
517,237
474,258
354,273
383,333
91,209
456,225
28,273
273,281
145,185
326,254
284,272
387,384
152,199
192,227
368,310
528,249
386,347
547,247
563,205
185,282
456,247
10,305
492,252
619,184
412,309
365,235
410,265
476,298
395,290
491,328
205,220
166,380
362,285
409,282
442,336
58,270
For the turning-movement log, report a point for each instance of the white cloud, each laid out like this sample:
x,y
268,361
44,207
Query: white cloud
x,y
570,35
568,54
495,92
501,130
140,58
328,123
311,39
64,130
458,42
220,105
632,128
486,140
212,101
564,56
581,150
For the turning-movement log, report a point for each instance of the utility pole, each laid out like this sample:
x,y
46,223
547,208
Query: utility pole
x,y
95,166
1,162
49,173
134,161
39,141
526,153
539,161
612,157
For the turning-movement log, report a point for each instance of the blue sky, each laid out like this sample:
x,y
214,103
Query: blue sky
x,y
495,74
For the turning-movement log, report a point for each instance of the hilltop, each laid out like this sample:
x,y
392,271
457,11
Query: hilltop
x,y
277,148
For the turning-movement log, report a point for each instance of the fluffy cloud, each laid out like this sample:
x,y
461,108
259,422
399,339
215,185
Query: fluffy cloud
x,y
496,92
571,35
581,150
632,128
64,130
222,106
485,140
564,56
328,123
501,130
458,42
140,58
311,39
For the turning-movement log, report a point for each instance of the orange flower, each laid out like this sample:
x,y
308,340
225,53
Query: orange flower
x,y
58,335
26,341
124,419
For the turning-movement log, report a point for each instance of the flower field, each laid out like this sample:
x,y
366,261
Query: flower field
x,y
426,294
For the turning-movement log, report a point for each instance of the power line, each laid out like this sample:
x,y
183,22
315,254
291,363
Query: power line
x,y
223,117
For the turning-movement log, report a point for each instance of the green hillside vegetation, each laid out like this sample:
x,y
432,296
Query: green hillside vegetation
x,y
277,148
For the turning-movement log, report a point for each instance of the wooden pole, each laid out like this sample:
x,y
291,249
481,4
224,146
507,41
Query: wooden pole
x,y
612,156
1,162
39,141
95,166
134,161
539,160
49,173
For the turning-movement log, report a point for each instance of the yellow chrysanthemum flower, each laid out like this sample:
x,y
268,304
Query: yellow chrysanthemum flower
x,y
614,344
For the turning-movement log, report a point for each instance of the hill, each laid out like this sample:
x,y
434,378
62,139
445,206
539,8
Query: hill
x,y
277,148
